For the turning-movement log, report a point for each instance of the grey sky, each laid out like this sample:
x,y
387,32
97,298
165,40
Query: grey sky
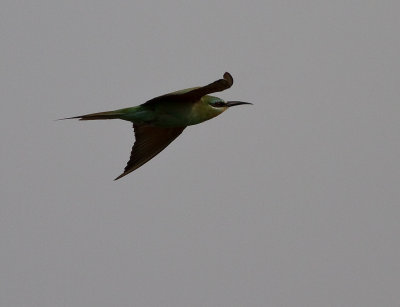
x,y
291,202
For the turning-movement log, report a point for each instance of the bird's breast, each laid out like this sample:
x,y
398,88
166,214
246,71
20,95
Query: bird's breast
x,y
201,112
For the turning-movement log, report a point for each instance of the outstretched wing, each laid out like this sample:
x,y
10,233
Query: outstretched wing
x,y
149,142
217,86
196,93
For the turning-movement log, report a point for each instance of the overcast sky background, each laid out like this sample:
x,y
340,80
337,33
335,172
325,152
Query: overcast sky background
x,y
293,201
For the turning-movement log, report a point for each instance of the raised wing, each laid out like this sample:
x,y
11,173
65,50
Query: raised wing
x,y
195,94
149,142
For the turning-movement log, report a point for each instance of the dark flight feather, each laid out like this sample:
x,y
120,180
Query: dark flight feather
x,y
149,142
195,94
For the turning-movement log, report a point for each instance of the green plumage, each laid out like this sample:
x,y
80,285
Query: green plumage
x,y
160,120
172,114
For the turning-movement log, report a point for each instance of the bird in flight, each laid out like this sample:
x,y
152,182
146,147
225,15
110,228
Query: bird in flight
x,y
161,120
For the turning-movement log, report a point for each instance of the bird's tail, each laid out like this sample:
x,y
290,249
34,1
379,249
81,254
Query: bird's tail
x,y
100,115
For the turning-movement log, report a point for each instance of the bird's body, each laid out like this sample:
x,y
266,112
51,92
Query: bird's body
x,y
171,113
160,120
168,113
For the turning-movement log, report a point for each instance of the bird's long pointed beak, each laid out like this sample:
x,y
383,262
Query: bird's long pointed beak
x,y
236,103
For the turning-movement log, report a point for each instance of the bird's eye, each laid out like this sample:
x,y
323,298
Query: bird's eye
x,y
218,104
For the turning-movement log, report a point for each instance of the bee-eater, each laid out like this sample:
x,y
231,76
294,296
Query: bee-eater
x,y
161,120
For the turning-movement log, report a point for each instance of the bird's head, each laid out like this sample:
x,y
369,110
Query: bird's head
x,y
210,107
221,105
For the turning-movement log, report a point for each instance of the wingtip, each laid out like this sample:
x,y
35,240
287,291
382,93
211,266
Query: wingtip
x,y
119,177
122,175
228,77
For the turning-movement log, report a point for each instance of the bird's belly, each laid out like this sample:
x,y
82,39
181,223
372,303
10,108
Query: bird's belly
x,y
170,120
178,115
173,116
179,120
